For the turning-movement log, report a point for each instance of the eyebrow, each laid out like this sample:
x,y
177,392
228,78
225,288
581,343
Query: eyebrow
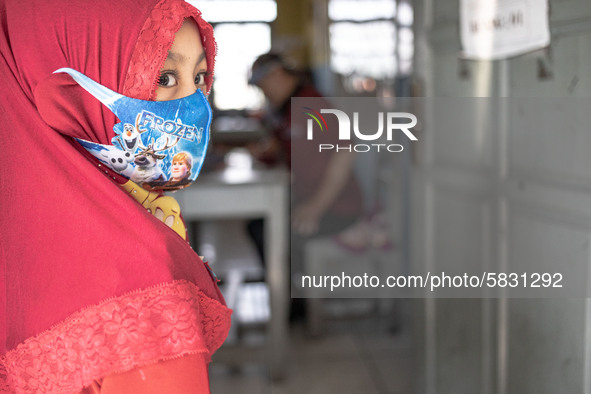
x,y
180,58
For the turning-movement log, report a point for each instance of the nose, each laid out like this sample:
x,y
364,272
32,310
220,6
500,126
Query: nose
x,y
186,89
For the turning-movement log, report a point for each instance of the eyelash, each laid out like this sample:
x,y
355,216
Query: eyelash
x,y
174,74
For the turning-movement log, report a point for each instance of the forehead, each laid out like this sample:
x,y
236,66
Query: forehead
x,y
186,47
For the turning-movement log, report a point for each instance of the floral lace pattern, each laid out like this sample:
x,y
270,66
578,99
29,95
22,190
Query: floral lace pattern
x,y
162,322
155,40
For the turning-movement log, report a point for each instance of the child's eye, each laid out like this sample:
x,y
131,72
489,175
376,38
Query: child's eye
x,y
167,80
200,78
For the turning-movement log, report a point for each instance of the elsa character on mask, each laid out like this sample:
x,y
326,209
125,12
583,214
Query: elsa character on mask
x,y
102,293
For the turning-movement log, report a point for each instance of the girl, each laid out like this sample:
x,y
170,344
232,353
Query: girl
x,y
103,292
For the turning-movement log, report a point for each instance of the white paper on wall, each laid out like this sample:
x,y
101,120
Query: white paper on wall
x,y
496,29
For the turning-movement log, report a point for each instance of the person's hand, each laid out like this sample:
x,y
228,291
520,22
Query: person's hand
x,y
256,149
266,151
306,217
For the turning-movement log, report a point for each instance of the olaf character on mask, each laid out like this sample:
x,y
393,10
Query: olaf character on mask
x,y
150,135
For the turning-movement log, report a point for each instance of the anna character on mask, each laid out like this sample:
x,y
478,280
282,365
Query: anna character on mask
x,y
103,293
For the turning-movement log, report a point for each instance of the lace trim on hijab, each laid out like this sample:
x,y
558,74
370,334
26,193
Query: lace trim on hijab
x,y
155,40
163,322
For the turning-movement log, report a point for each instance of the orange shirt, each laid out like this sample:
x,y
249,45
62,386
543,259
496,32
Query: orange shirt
x,y
185,375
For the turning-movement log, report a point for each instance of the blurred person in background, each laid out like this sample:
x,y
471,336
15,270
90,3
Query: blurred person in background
x,y
325,195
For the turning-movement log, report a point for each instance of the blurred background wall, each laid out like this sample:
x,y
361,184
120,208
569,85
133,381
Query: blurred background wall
x,y
514,198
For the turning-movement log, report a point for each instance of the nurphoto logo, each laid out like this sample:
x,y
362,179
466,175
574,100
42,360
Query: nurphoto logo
x,y
395,122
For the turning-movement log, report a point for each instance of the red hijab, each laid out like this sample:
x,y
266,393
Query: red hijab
x,y
70,236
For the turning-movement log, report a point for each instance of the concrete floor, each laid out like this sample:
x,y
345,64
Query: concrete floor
x,y
371,353
352,356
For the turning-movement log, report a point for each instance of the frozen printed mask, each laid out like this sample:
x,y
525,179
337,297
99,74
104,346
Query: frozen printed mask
x,y
158,144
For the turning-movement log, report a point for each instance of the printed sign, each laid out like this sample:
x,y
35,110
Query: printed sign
x,y
496,29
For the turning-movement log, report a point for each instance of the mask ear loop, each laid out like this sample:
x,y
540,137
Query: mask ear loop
x,y
100,92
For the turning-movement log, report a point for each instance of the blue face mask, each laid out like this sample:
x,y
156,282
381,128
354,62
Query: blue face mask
x,y
158,144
